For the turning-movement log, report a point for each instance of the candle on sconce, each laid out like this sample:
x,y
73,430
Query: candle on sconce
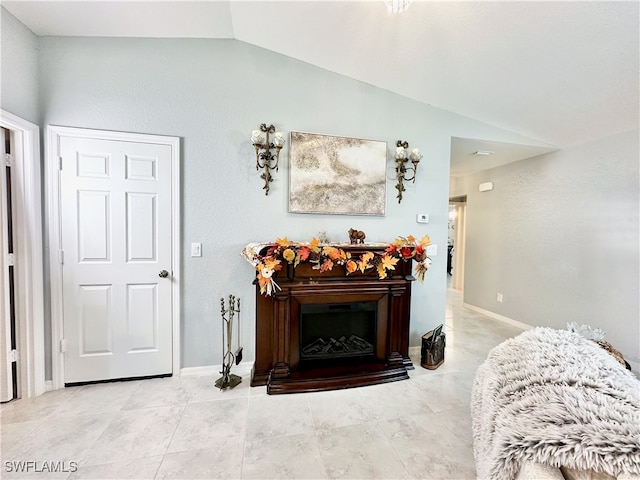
x,y
278,140
257,138
401,153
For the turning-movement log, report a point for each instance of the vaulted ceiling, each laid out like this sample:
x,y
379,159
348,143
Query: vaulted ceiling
x,y
560,73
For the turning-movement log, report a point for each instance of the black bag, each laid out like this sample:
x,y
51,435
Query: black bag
x,y
433,343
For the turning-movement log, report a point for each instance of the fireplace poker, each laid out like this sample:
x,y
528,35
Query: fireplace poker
x,y
228,380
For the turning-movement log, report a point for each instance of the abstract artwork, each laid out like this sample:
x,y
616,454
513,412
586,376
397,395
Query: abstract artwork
x,y
337,175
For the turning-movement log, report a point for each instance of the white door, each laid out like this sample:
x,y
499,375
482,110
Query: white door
x,y
116,237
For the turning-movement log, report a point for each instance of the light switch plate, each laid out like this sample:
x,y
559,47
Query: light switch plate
x,y
422,218
196,249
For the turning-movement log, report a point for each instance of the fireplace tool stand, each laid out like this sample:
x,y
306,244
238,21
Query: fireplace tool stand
x,y
228,379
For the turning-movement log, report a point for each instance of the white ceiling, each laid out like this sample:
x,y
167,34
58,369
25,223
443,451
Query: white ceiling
x,y
560,73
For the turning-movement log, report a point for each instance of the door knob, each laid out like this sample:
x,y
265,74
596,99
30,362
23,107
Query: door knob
x,y
163,274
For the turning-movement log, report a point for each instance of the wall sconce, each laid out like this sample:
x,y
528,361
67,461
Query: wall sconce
x,y
401,170
264,156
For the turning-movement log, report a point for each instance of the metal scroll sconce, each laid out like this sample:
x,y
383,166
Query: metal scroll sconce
x,y
401,169
265,158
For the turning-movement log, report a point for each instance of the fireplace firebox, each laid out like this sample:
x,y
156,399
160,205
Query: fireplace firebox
x,y
337,332
327,330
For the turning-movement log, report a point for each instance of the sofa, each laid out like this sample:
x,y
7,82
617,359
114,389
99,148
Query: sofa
x,y
553,404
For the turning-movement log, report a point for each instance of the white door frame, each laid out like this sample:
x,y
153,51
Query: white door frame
x,y
460,245
54,134
26,180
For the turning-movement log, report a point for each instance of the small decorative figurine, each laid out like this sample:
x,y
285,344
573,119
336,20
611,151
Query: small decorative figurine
x,y
323,237
356,236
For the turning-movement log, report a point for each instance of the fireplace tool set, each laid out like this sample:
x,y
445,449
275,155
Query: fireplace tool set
x,y
228,379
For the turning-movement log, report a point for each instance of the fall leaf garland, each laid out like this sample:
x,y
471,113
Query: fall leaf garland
x,y
325,257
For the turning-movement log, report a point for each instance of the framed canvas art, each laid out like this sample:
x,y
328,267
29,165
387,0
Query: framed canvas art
x,y
337,175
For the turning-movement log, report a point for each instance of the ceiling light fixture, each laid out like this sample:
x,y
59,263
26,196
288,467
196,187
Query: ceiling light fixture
x,y
397,6
483,153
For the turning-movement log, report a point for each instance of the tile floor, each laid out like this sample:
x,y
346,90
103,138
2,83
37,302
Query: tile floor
x,y
186,428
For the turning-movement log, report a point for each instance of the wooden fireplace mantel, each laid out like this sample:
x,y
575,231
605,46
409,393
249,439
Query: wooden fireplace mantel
x,y
277,364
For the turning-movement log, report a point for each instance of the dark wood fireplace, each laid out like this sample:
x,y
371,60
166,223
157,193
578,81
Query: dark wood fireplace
x,y
327,330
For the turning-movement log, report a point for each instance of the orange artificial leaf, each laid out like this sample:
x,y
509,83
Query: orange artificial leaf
x,y
387,262
331,252
425,241
382,272
363,263
283,242
411,239
421,269
314,245
304,253
326,265
272,263
263,282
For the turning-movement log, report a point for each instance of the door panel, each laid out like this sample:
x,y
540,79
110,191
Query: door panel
x,y
141,227
94,224
95,320
116,236
142,317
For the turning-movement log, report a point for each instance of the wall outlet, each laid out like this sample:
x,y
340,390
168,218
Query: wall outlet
x,y
499,297
196,249
432,250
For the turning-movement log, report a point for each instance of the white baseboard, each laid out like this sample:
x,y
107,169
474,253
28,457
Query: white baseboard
x,y
415,351
635,366
242,369
496,316
48,385
198,371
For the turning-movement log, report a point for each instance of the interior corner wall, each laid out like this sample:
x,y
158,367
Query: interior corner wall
x,y
18,68
212,94
558,237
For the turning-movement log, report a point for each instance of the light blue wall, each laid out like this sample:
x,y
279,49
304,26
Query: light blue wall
x,y
18,68
212,93
558,237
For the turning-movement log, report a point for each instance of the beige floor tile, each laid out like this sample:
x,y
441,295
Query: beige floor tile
x,y
288,415
220,462
290,457
428,448
135,434
359,451
138,469
210,424
339,408
61,439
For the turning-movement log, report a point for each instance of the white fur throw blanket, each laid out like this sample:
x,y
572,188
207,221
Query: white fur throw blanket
x,y
555,398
